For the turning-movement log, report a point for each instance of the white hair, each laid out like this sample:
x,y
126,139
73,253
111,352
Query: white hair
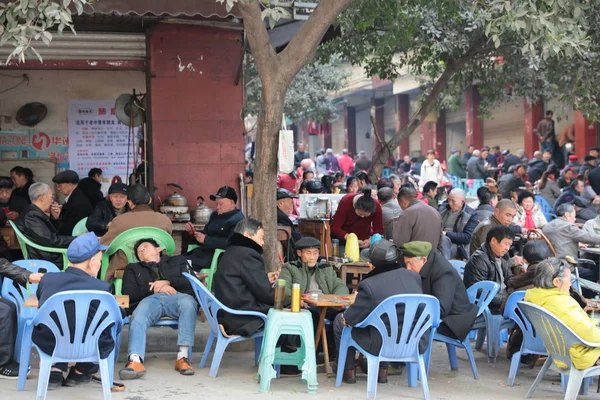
x,y
37,190
476,153
458,192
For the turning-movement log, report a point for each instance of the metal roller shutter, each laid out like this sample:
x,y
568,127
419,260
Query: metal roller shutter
x,y
506,129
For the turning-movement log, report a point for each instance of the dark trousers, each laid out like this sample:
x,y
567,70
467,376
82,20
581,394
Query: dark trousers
x,y
8,330
350,361
84,368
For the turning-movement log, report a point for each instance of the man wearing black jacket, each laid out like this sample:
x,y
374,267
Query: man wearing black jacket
x,y
285,205
77,206
106,210
92,186
157,288
9,368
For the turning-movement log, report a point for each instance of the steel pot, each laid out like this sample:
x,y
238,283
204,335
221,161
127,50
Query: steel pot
x,y
202,212
175,199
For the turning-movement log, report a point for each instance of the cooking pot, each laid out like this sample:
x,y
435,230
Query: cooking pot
x,y
202,212
176,199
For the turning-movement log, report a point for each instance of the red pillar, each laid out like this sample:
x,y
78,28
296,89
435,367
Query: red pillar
x,y
534,113
585,135
474,123
350,128
402,116
433,135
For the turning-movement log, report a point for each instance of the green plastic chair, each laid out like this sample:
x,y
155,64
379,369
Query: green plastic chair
x,y
288,323
125,242
80,227
210,272
24,241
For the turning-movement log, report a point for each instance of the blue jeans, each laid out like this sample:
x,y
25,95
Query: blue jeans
x,y
548,146
180,306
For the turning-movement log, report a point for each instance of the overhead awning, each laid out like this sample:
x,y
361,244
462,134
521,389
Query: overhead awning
x,y
190,8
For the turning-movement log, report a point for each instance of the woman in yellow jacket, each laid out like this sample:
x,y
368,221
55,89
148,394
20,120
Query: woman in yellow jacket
x,y
552,282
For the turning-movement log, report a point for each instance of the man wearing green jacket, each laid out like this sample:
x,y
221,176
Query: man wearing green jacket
x,y
456,165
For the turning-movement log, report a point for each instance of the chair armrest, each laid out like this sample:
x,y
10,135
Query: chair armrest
x,y
585,261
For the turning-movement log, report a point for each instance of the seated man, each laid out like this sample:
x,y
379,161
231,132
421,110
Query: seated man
x,y
504,214
141,214
12,206
9,368
440,279
371,292
418,221
430,194
92,186
491,263
217,230
157,288
35,224
511,182
107,210
487,202
390,208
285,206
458,223
241,282
85,258
77,205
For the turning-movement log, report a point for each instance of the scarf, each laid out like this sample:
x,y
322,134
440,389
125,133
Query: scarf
x,y
529,224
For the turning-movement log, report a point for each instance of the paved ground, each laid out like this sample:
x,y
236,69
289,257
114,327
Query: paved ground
x,y
236,380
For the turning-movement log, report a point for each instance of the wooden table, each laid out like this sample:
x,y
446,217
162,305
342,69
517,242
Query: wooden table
x,y
32,301
320,230
357,270
324,302
10,238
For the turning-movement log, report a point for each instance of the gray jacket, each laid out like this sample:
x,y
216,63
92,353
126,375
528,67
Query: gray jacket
x,y
565,237
390,210
418,222
475,168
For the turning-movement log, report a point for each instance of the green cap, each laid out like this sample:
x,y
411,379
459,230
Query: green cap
x,y
415,249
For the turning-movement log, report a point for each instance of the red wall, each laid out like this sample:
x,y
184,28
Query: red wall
x,y
197,133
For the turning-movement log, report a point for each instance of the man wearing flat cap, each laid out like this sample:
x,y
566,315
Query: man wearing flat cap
x,y
371,292
106,210
285,206
77,205
441,280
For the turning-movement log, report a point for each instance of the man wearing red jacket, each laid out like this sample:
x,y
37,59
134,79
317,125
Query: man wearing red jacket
x,y
346,163
360,214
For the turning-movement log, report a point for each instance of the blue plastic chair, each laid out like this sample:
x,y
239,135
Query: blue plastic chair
x,y
480,294
459,266
532,343
421,316
472,188
211,306
84,345
547,209
18,294
558,340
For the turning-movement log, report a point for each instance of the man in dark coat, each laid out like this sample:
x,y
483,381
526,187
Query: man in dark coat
x,y
241,282
12,206
537,165
458,223
511,182
106,210
92,186
512,159
77,206
440,279
300,155
285,205
35,224
371,292
217,230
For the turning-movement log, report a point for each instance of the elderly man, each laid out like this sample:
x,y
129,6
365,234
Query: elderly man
x,y
157,288
389,207
440,279
241,282
512,159
491,262
300,155
564,235
372,291
458,223
331,161
575,188
77,206
457,165
537,165
418,221
346,163
285,206
141,214
35,224
504,213
92,186
511,182
107,210
217,230
362,162
476,166
403,166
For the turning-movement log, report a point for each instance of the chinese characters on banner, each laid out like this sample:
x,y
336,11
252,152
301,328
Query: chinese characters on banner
x,y
31,144
97,139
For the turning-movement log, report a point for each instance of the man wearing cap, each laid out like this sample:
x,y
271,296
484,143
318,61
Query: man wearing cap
x,y
77,205
11,205
457,165
157,288
85,256
588,164
92,186
217,230
285,206
371,292
141,214
107,210
441,280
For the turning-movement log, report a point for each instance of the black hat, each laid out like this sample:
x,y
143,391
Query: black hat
x,y
285,194
589,158
308,243
225,192
380,253
6,182
118,187
67,176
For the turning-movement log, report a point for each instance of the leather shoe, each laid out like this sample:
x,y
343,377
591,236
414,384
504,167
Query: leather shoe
x,y
349,376
383,375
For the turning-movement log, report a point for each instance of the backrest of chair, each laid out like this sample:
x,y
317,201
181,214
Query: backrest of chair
x,y
23,241
531,340
401,338
93,310
536,234
37,265
482,293
16,293
556,336
459,266
80,227
209,303
126,240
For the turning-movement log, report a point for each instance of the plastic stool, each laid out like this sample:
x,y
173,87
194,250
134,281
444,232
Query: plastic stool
x,y
288,323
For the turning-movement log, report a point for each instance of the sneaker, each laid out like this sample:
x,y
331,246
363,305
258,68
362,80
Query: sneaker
x,y
184,367
75,379
132,370
56,380
11,370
